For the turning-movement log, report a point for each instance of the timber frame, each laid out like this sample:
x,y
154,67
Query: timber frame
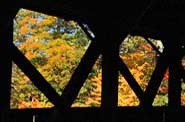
x,y
111,22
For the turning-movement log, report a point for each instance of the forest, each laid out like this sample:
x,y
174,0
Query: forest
x,y
55,47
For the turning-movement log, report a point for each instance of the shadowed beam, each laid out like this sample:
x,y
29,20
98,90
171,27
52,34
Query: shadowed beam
x,y
130,79
174,94
59,8
38,80
79,76
155,80
6,32
153,46
175,73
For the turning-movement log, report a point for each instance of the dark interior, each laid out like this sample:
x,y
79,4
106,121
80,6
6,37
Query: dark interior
x,y
111,22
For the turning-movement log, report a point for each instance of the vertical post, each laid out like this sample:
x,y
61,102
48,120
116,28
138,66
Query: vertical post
x,y
174,86
109,72
6,36
34,116
174,76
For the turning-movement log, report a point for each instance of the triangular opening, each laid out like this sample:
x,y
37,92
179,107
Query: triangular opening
x,y
53,45
158,44
161,98
183,82
183,94
23,92
126,96
90,93
140,58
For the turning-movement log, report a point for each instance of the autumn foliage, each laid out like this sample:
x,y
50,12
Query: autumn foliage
x,y
140,58
55,47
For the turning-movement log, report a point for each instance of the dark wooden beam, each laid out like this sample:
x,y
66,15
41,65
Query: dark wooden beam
x,y
6,32
155,80
38,80
79,76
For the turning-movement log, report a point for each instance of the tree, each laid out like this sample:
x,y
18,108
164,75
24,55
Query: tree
x,y
140,58
54,46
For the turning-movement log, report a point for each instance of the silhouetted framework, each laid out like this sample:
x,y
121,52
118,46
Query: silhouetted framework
x,y
111,22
